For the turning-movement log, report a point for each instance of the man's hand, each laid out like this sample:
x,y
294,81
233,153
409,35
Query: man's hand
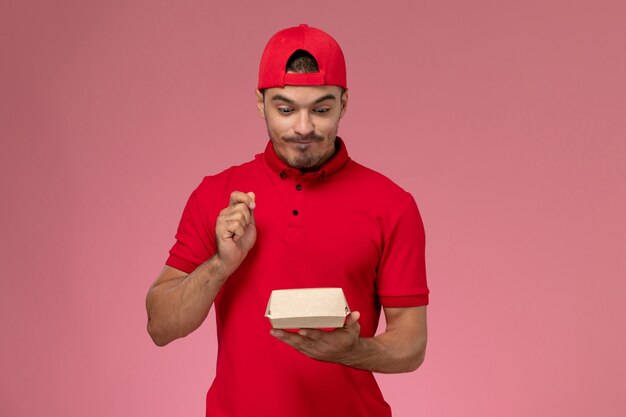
x,y
401,348
335,346
235,230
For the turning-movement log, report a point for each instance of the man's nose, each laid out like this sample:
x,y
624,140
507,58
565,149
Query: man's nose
x,y
304,124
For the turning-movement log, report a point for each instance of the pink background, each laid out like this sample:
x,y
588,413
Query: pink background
x,y
506,121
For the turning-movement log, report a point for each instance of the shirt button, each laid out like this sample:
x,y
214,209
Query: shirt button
x,y
298,187
295,212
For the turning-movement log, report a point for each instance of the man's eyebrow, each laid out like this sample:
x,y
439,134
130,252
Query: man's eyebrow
x,y
290,101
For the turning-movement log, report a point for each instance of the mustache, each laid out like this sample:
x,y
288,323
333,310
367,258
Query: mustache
x,y
313,137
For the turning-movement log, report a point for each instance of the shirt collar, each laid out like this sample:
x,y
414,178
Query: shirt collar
x,y
334,164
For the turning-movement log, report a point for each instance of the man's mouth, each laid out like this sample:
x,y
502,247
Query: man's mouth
x,y
304,140
302,146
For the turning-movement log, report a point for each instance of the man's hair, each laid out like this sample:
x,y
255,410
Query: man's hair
x,y
302,62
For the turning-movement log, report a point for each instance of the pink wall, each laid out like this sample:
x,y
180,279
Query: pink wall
x,y
506,120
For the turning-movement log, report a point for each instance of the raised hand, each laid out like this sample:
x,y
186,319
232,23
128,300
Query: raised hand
x,y
235,230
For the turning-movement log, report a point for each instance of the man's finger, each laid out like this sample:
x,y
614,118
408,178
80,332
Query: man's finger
x,y
239,212
311,333
235,230
352,320
237,197
292,339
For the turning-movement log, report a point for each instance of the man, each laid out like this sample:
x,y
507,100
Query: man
x,y
302,214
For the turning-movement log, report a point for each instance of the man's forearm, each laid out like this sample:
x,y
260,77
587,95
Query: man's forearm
x,y
389,352
179,306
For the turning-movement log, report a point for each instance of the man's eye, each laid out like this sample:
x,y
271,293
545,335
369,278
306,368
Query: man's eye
x,y
322,110
284,110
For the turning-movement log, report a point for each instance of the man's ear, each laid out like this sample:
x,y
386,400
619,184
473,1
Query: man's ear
x,y
260,103
344,103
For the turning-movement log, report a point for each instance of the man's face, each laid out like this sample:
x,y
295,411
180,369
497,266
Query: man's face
x,y
302,122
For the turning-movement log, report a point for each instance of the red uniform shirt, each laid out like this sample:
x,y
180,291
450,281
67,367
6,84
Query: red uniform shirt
x,y
343,225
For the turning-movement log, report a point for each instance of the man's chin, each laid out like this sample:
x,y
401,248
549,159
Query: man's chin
x,y
302,164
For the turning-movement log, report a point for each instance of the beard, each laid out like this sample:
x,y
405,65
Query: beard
x,y
303,161
305,158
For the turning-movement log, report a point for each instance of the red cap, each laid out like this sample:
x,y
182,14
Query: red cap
x,y
325,50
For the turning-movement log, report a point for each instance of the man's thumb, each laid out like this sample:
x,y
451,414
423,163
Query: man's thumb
x,y
352,318
253,196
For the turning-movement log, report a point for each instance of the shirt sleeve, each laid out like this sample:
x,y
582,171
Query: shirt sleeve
x,y
401,279
195,240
